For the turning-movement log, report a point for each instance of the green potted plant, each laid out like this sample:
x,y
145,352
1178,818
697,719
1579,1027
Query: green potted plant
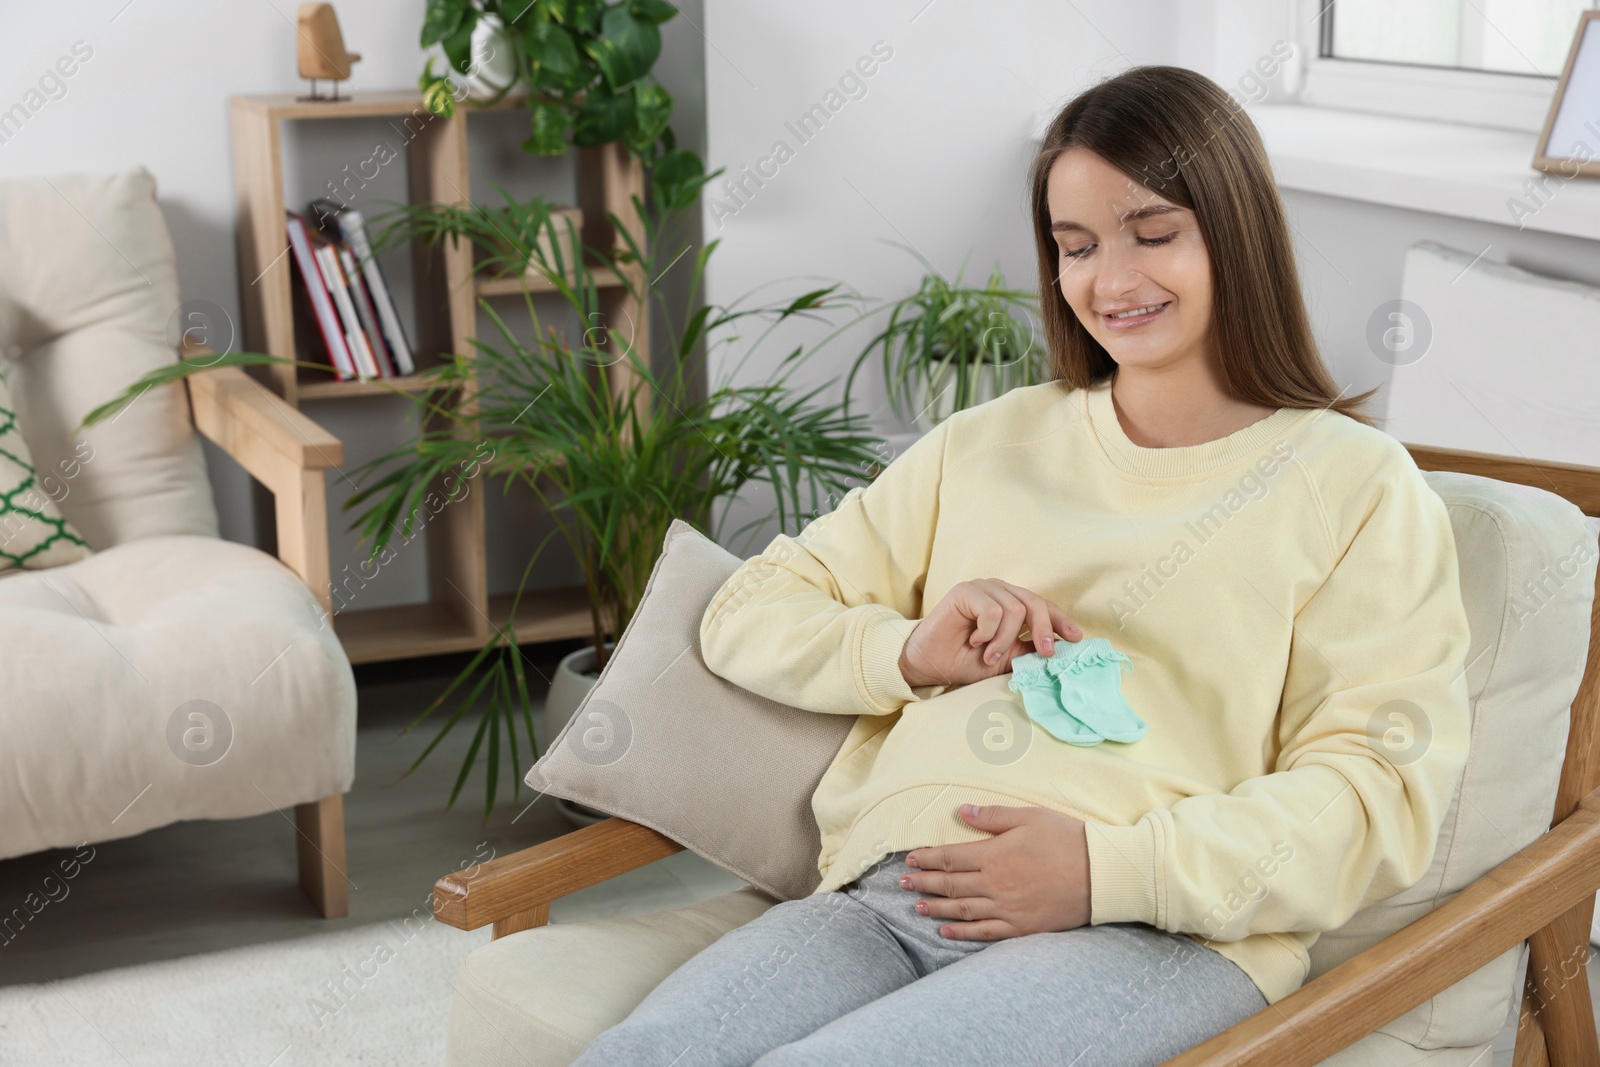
x,y
584,64
612,482
948,347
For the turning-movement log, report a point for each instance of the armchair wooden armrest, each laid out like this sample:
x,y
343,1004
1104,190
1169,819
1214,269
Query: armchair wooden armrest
x,y
514,892
283,450
1551,878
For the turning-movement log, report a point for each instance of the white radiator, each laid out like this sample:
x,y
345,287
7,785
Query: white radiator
x,y
1512,365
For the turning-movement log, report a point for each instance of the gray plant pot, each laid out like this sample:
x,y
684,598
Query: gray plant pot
x,y
935,394
570,685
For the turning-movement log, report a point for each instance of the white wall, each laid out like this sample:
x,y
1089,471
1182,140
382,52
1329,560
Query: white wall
x,y
155,92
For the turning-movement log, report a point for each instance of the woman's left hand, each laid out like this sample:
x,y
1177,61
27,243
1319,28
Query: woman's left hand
x,y
1031,877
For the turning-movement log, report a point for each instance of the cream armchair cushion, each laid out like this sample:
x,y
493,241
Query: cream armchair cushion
x,y
1527,659
107,659
88,284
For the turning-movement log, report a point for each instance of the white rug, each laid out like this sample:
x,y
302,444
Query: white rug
x,y
374,996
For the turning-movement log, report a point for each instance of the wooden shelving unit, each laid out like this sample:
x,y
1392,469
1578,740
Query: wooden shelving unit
x,y
460,613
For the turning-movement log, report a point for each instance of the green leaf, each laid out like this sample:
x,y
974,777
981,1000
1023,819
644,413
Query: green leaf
x,y
526,706
677,179
492,763
579,16
603,118
472,752
652,108
458,45
441,19
549,125
171,372
652,10
557,63
437,95
626,48
511,11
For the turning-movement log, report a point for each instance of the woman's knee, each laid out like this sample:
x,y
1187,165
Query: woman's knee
x,y
635,1042
808,1052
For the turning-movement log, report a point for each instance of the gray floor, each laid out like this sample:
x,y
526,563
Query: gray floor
x,y
202,886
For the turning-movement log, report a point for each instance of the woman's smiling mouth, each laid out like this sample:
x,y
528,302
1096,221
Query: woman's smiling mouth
x,y
1132,317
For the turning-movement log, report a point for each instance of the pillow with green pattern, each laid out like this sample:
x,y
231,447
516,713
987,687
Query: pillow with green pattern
x,y
33,535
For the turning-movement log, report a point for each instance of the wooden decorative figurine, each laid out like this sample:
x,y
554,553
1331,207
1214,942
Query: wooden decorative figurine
x,y
322,52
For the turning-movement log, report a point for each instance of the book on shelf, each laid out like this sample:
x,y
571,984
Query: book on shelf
x,y
318,322
366,313
333,275
386,334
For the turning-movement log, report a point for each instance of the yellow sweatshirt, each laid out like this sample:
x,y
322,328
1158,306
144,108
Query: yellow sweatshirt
x,y
1289,601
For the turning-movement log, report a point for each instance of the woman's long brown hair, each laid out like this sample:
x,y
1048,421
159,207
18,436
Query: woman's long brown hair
x,y
1179,134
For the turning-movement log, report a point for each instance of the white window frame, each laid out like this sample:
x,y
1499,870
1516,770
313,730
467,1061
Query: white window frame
x,y
1470,97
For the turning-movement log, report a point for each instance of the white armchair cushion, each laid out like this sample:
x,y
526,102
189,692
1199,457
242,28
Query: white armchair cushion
x,y
535,999
88,286
105,662
1527,562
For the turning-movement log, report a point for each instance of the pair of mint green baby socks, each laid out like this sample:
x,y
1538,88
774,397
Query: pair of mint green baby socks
x,y
1076,693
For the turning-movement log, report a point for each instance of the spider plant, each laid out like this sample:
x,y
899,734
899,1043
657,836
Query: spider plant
x,y
502,235
949,337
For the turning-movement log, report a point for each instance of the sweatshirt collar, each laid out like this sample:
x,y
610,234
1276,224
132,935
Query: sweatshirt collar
x,y
1188,460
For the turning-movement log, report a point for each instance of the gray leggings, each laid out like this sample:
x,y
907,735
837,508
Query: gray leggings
x,y
856,976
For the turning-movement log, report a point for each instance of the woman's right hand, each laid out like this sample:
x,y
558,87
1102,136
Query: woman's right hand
x,y
972,633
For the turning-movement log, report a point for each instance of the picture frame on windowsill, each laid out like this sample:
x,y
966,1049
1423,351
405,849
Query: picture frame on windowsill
x,y
1569,144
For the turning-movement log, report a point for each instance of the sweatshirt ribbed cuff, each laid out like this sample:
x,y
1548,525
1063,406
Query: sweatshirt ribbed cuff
x,y
883,638
1122,873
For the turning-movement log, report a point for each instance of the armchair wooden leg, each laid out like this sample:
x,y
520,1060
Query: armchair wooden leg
x,y
522,920
320,838
1558,989
1530,1050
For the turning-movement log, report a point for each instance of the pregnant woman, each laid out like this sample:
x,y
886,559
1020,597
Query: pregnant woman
x,y
1189,487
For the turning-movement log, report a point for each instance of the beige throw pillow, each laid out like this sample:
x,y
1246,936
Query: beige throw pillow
x,y
662,741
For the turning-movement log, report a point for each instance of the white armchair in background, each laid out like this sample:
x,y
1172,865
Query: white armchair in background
x,y
170,674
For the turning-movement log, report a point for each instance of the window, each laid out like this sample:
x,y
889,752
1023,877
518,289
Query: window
x,y
1479,62
1528,37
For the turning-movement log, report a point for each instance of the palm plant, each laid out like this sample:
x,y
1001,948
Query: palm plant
x,y
949,336
614,466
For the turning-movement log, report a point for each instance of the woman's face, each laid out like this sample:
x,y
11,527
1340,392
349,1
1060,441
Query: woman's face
x,y
1123,247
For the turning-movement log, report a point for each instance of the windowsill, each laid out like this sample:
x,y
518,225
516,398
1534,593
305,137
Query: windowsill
x,y
1470,172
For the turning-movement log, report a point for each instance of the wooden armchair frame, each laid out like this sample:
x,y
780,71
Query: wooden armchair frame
x,y
1544,894
286,452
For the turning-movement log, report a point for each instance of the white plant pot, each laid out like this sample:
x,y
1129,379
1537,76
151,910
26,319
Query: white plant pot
x,y
935,396
567,690
492,66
